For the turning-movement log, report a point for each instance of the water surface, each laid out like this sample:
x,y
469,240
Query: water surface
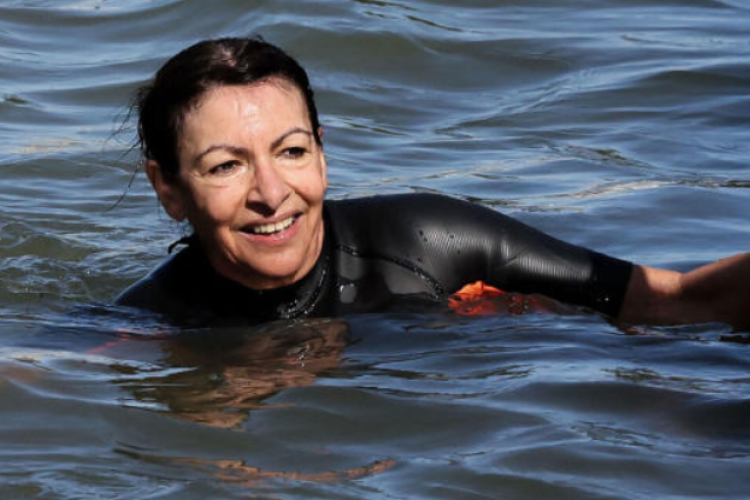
x,y
617,125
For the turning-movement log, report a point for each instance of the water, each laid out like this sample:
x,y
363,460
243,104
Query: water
x,y
617,125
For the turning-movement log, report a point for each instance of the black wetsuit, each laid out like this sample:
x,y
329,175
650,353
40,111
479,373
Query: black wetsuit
x,y
381,248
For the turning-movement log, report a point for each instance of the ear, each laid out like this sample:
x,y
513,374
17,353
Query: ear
x,y
169,193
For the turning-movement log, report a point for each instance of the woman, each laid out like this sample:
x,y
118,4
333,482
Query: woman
x,y
232,143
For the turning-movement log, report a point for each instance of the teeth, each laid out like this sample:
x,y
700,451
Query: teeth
x,y
273,228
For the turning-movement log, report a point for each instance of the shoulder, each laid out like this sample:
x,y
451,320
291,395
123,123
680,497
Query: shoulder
x,y
432,238
437,224
166,289
391,216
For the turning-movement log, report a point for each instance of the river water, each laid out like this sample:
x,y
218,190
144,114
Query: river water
x,y
618,125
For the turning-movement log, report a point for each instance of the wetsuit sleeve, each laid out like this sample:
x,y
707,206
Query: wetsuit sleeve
x,y
455,242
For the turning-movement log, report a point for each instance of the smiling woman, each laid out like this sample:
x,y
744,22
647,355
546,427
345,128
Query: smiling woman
x,y
251,183
232,142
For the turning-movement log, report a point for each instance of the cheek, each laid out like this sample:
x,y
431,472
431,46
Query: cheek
x,y
216,206
313,185
314,191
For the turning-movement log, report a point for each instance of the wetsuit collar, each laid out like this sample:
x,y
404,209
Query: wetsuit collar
x,y
231,299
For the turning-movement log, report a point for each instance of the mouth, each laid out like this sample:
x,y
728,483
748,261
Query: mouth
x,y
271,227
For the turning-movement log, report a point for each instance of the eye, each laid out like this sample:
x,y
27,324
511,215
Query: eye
x,y
293,153
225,168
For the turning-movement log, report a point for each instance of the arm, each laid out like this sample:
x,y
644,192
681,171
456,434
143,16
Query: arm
x,y
719,291
450,243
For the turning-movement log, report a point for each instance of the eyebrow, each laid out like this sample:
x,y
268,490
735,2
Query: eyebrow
x,y
240,151
291,131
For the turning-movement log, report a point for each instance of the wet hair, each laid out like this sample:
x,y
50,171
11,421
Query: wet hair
x,y
179,85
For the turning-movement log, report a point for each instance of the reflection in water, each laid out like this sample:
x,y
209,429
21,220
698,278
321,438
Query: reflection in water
x,y
230,372
213,377
238,472
216,377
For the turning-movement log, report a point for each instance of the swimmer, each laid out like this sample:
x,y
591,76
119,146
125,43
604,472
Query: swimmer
x,y
232,144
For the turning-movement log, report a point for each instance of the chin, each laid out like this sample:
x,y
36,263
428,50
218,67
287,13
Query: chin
x,y
262,268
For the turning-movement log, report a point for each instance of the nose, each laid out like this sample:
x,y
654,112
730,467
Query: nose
x,y
269,190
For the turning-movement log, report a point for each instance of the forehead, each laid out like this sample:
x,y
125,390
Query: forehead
x,y
260,106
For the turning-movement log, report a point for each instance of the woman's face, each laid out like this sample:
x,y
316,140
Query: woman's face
x,y
251,182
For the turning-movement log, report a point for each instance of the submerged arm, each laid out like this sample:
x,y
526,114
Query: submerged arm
x,y
719,291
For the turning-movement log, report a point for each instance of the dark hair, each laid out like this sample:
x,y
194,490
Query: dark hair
x,y
179,84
